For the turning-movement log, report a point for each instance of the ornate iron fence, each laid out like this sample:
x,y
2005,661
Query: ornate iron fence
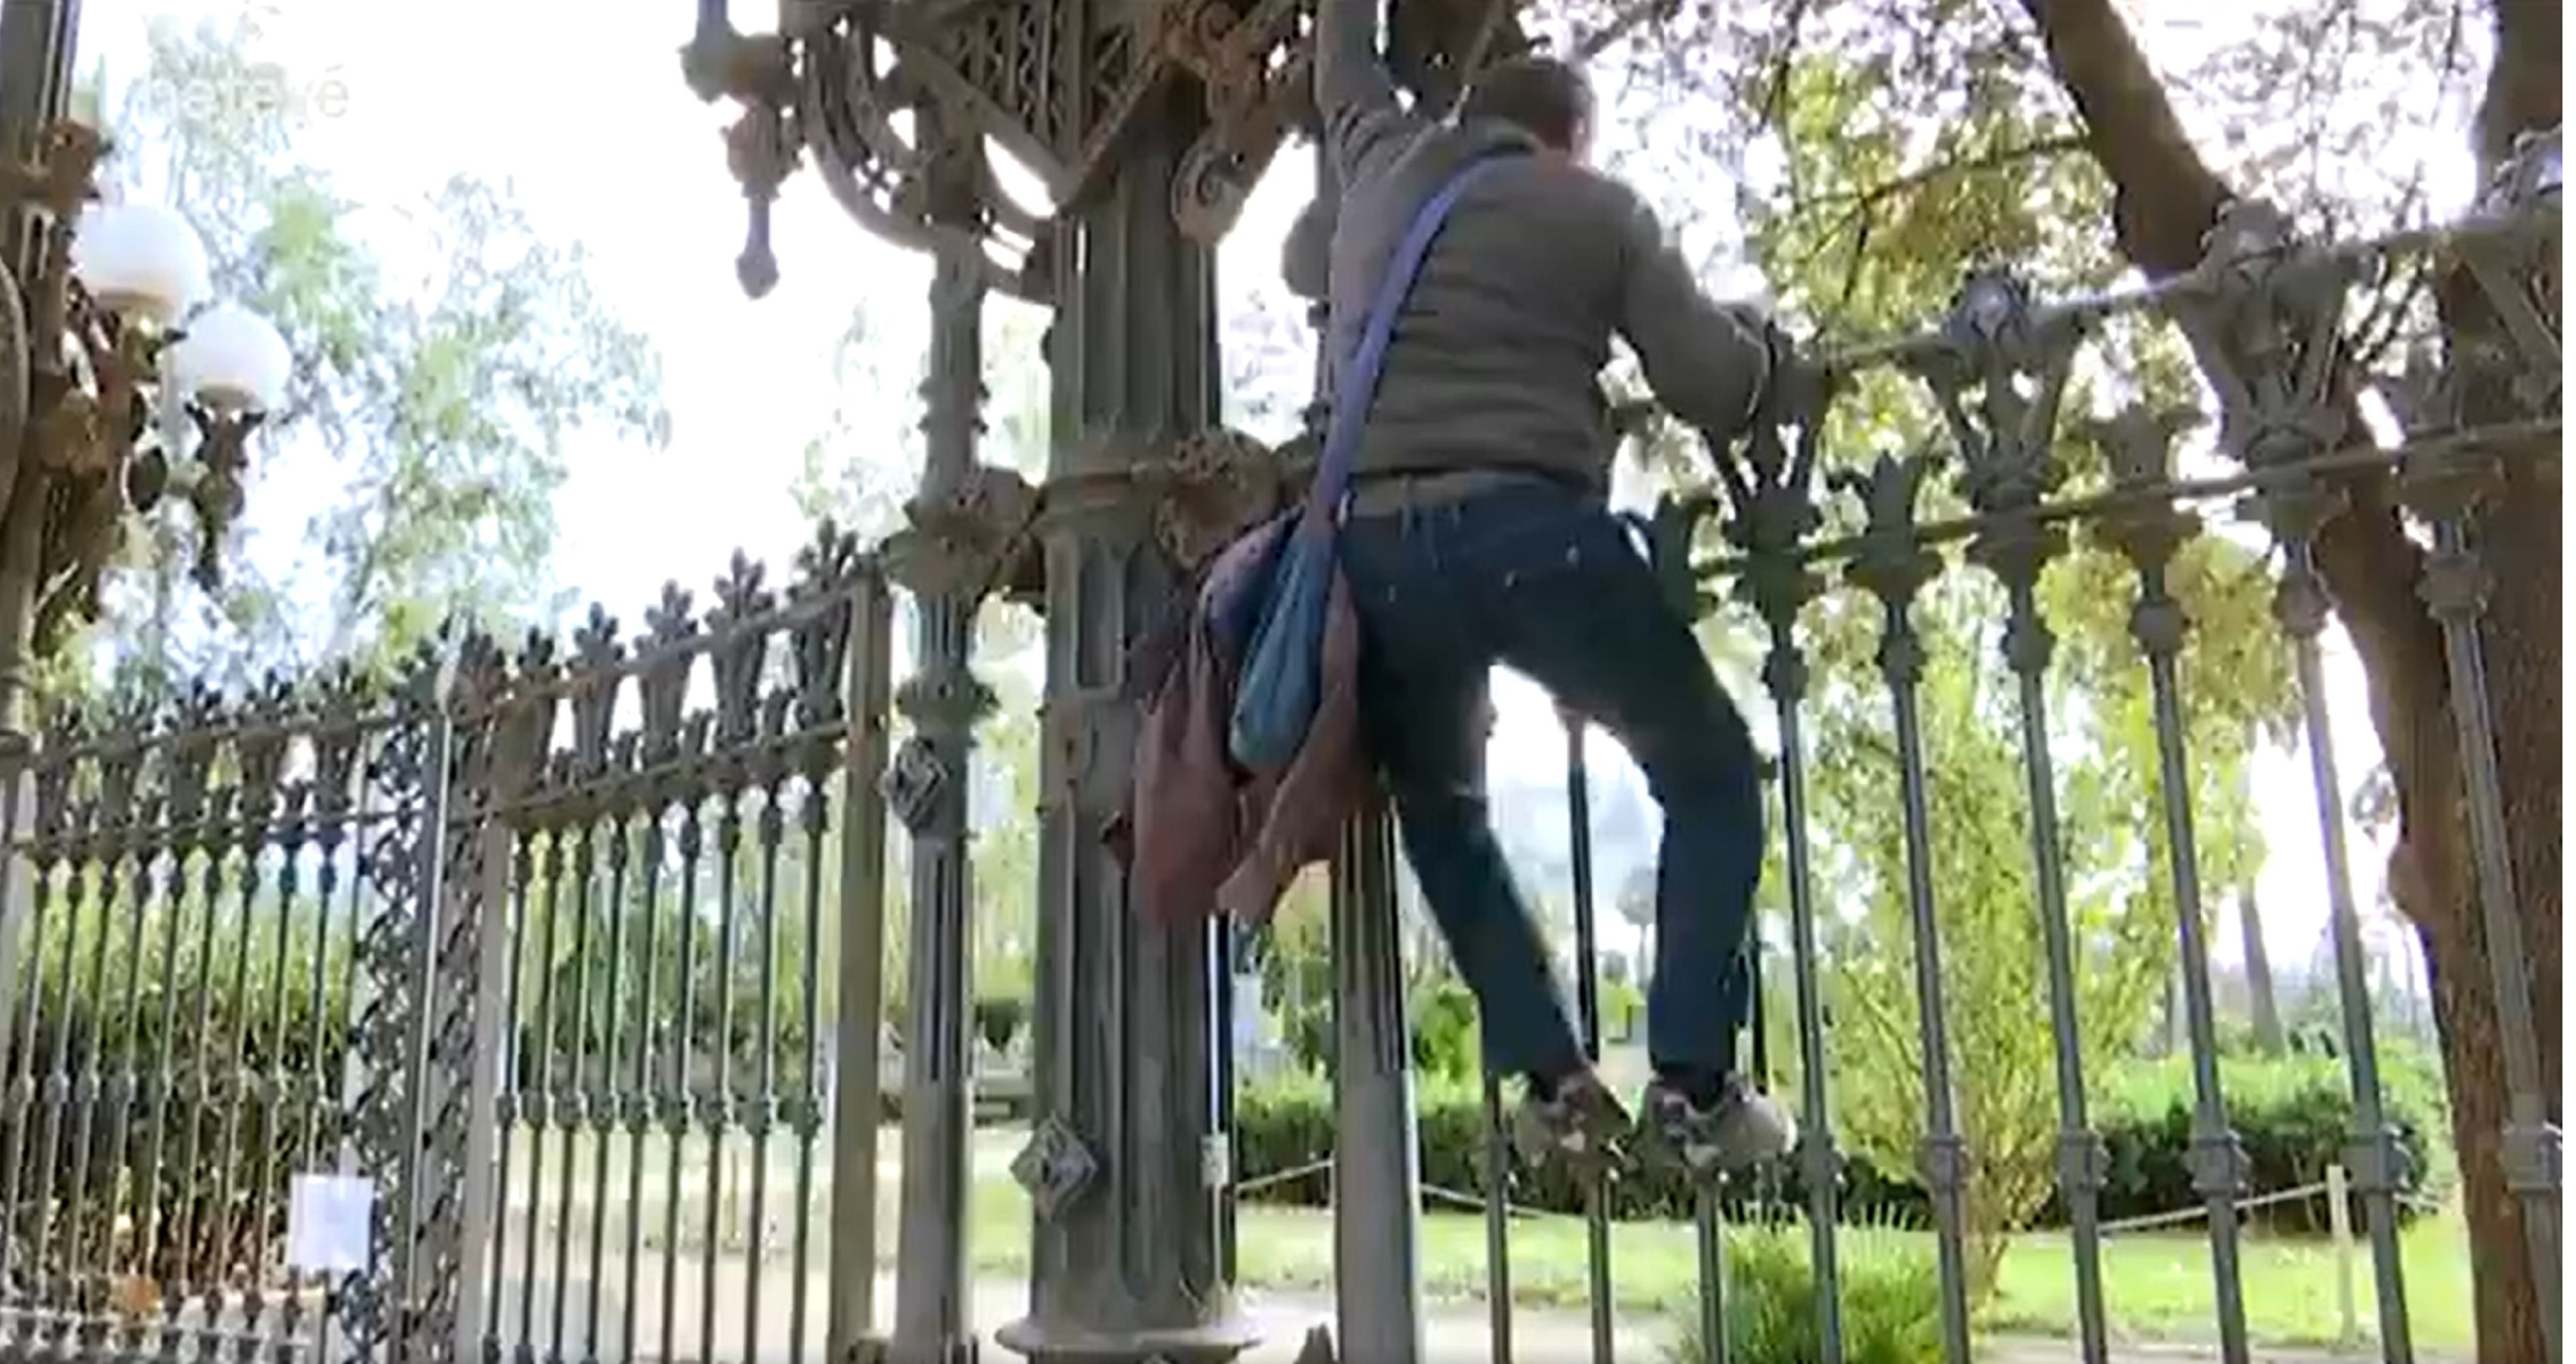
x,y
573,951
2271,320
543,1005
695,847
214,905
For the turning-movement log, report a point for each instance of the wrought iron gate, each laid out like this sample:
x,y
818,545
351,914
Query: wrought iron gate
x,y
262,938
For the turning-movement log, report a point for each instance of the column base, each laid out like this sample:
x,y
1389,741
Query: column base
x,y
1213,1342
880,1350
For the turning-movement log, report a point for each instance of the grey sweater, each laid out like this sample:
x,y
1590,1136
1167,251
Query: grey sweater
x,y
1497,356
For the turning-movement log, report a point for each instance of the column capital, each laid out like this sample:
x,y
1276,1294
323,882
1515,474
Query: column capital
x,y
960,541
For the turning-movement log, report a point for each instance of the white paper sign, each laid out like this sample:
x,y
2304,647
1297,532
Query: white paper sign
x,y
329,1222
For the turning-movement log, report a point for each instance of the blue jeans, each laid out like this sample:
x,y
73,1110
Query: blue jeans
x,y
1545,580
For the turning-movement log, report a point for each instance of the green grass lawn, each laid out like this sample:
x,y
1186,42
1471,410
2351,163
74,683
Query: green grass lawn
x,y
2158,1286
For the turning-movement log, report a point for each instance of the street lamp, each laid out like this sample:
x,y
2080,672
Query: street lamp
x,y
106,337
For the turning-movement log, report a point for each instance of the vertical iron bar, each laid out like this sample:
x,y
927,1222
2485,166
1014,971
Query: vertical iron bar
x,y
858,1105
1944,1156
1709,1224
483,849
637,1107
1223,943
2149,535
47,1092
512,1105
1819,1165
716,1112
806,1119
89,1085
17,829
1892,565
258,805
762,1120
571,1104
126,1087
536,1090
607,1101
678,1112
276,1093
152,1220
2028,644
364,901
1377,1281
2455,586
1587,996
42,857
2301,604
2218,1160
41,1190
221,847
314,1085
1498,1221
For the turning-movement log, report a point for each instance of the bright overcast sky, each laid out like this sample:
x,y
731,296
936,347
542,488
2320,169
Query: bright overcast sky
x,y
579,103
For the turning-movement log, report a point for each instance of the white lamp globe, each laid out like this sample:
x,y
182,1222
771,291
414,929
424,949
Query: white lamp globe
x,y
232,360
141,261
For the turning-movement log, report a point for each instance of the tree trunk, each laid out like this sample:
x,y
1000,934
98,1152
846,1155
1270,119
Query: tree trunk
x,y
2266,1005
2166,199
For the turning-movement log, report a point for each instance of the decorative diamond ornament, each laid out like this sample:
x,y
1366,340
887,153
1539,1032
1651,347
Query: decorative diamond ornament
x,y
913,782
1054,1167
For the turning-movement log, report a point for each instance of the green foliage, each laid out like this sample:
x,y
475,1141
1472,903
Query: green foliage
x,y
439,408
1890,1299
2293,1116
584,987
1623,1011
1442,1015
206,1053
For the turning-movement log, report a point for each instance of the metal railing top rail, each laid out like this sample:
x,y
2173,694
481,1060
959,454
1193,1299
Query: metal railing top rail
x,y
676,635
2253,235
2126,495
1998,363
334,700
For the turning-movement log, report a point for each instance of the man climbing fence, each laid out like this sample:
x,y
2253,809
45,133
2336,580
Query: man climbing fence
x,y
1476,273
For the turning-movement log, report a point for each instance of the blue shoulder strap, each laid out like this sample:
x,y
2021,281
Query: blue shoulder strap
x,y
1356,386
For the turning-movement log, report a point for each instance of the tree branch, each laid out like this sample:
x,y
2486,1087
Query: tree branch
x,y
2164,197
2165,201
2524,88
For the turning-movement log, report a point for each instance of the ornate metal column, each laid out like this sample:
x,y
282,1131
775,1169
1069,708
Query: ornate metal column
x,y
962,523
1127,1167
36,39
1128,1162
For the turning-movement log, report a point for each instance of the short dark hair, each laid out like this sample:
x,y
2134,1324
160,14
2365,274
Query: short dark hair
x,y
1541,96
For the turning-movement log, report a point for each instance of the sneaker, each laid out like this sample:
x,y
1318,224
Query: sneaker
x,y
1745,1127
1581,1124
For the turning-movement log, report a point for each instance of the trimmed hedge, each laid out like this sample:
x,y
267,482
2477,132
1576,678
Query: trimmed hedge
x,y
2291,1115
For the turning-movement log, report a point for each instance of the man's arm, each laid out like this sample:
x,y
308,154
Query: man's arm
x,y
1305,258
1353,95
1708,363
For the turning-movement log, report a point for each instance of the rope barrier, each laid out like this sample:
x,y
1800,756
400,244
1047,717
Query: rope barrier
x,y
2145,1222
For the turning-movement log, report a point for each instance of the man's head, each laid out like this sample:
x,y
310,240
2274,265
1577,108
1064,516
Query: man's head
x,y
1541,96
